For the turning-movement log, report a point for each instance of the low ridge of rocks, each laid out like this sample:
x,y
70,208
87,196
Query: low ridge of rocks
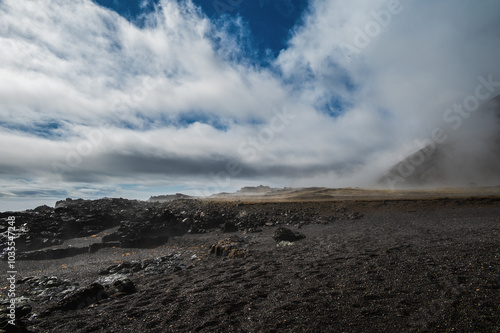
x,y
44,232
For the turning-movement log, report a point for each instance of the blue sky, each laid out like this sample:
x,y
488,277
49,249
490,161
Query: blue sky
x,y
139,98
269,22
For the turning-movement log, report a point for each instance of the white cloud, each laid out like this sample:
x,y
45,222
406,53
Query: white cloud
x,y
164,103
428,57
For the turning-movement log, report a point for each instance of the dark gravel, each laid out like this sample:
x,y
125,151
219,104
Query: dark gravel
x,y
394,266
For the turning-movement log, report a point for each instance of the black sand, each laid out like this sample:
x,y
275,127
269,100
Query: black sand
x,y
404,266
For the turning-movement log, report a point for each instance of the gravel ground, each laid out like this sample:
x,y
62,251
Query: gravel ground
x,y
406,265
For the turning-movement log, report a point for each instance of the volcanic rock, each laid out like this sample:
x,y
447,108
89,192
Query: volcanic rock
x,y
232,247
82,298
125,286
127,267
42,289
21,310
45,226
284,234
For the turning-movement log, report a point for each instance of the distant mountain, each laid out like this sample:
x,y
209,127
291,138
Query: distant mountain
x,y
170,197
261,189
468,154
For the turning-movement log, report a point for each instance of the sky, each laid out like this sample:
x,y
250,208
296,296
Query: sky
x,y
131,99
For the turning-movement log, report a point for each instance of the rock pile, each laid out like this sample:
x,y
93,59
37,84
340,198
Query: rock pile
x,y
45,226
92,294
150,232
82,298
232,247
144,224
42,289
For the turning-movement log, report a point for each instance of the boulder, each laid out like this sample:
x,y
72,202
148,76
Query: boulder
x,y
285,234
125,286
232,247
81,298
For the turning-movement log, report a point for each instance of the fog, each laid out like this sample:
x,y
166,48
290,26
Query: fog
x,y
93,105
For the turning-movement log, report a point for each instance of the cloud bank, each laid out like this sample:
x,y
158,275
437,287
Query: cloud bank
x,y
93,105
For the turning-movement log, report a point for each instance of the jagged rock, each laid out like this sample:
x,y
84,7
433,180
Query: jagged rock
x,y
125,286
45,226
123,268
232,247
110,279
117,285
44,288
142,224
82,298
150,232
163,265
284,234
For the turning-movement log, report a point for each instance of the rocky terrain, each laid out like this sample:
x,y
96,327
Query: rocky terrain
x,y
330,264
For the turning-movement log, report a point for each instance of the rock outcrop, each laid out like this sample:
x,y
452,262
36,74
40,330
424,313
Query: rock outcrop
x,y
232,247
76,227
287,235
